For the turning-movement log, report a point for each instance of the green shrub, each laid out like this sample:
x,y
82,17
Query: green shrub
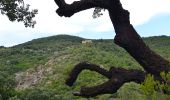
x,y
35,94
154,90
7,84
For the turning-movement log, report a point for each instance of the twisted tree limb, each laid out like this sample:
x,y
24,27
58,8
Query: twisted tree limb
x,y
126,37
117,77
68,10
85,66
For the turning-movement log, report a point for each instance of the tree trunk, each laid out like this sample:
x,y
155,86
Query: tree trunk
x,y
127,38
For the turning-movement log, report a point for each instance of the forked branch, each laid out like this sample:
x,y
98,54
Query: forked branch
x,y
117,77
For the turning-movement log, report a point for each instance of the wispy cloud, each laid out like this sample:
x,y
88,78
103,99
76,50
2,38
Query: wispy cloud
x,y
142,10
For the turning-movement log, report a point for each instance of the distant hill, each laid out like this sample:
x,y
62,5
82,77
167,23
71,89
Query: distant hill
x,y
41,66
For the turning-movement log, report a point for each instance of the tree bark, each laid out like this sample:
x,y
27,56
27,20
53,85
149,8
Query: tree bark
x,y
117,77
127,38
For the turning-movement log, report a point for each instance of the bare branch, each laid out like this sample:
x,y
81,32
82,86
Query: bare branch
x,y
68,10
117,76
85,66
109,87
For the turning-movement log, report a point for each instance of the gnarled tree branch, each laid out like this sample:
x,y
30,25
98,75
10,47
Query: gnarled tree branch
x,y
85,66
127,38
117,77
68,10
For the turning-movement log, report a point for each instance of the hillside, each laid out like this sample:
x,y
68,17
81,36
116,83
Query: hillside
x,y
41,66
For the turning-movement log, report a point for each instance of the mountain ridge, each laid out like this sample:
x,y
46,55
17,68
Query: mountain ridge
x,y
42,65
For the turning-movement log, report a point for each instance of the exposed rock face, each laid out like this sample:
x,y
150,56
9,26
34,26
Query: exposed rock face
x,y
32,77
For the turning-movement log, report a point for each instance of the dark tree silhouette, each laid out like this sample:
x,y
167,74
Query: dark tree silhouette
x,y
127,38
17,10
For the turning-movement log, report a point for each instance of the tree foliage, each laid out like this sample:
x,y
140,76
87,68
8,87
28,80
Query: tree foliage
x,y
17,10
97,12
155,90
7,85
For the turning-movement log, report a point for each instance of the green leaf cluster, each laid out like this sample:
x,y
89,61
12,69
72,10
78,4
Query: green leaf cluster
x,y
17,10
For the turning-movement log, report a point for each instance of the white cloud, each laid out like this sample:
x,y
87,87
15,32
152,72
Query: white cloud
x,y
142,10
49,23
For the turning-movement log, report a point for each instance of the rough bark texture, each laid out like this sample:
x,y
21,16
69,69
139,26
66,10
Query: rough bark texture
x,y
127,38
117,77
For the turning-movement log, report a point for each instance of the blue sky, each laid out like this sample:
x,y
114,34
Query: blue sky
x,y
157,25
149,19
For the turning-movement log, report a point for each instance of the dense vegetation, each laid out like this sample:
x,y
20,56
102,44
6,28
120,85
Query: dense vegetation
x,y
37,70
